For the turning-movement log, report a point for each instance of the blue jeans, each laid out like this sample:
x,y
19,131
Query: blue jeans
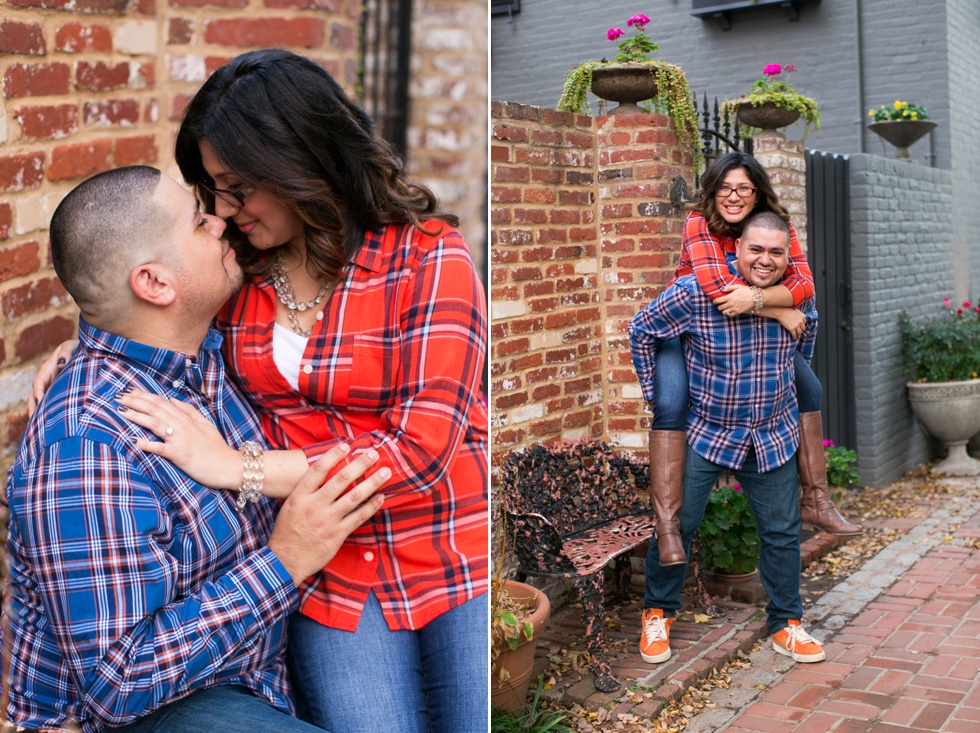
x,y
375,680
671,394
229,707
773,498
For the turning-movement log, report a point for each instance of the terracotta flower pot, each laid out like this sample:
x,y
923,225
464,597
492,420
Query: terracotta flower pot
x,y
766,116
734,577
519,663
626,84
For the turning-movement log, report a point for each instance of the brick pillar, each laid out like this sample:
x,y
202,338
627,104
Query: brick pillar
x,y
640,239
785,163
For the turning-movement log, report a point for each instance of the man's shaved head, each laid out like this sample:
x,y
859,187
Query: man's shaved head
x,y
101,230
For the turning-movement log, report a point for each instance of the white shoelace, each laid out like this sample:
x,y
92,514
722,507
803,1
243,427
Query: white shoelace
x,y
796,635
655,629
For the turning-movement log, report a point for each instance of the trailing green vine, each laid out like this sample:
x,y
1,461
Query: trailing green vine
x,y
673,98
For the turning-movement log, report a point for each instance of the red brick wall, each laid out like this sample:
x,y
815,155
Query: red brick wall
x,y
89,85
582,236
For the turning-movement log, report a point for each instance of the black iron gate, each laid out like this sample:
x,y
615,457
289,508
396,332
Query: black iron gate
x,y
829,254
386,47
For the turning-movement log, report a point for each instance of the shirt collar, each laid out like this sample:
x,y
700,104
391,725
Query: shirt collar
x,y
173,368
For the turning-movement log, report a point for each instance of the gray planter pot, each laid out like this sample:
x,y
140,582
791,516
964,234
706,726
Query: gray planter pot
x,y
626,84
951,412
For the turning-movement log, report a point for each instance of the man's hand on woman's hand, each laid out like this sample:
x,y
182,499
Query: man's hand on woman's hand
x,y
737,300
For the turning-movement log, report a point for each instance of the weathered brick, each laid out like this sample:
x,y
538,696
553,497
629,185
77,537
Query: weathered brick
x,y
49,122
25,38
100,76
18,172
110,112
79,160
180,31
39,4
79,38
139,150
33,297
6,220
102,6
38,338
32,80
260,32
19,261
201,3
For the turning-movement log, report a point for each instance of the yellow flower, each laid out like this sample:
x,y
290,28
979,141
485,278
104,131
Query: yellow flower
x,y
898,105
871,113
915,115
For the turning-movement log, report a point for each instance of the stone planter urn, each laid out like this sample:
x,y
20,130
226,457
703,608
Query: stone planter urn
x,y
509,693
626,84
951,412
766,116
902,134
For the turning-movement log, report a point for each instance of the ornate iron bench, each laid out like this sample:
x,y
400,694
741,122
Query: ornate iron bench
x,y
573,508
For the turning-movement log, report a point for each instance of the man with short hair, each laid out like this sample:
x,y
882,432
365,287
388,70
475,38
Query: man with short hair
x,y
136,596
744,418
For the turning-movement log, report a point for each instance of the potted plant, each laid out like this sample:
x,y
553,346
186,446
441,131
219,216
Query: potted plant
x,y
901,124
942,356
729,542
772,104
634,77
518,614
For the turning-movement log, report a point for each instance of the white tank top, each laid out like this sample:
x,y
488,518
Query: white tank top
x,y
287,353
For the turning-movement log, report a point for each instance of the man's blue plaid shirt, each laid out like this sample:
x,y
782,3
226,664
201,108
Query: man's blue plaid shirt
x,y
740,371
131,585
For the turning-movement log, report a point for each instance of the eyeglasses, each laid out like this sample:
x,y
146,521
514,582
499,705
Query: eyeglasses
x,y
724,191
234,198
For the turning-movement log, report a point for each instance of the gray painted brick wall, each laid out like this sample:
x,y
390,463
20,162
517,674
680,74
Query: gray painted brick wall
x,y
901,258
963,20
902,43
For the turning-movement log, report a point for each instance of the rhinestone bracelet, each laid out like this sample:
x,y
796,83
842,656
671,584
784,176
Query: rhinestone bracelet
x,y
253,473
757,298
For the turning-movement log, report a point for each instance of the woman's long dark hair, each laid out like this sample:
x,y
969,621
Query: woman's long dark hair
x,y
707,202
284,125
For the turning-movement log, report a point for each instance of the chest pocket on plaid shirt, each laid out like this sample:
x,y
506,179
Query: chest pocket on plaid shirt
x,y
374,373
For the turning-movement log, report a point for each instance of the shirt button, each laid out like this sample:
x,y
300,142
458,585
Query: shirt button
x,y
303,403
319,315
368,556
177,383
187,363
308,369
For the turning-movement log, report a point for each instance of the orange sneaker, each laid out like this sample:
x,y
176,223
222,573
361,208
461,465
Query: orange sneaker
x,y
655,636
794,642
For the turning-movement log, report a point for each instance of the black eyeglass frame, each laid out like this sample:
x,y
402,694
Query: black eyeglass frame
x,y
736,189
238,196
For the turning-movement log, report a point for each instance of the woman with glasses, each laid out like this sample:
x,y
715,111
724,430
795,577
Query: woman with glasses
x,y
732,188
361,322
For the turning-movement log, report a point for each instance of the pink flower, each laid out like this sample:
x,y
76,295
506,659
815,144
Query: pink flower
x,y
828,443
977,309
738,488
945,302
959,311
772,70
966,304
789,68
613,33
639,19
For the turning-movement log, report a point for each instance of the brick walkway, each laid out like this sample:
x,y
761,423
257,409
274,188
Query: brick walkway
x,y
908,661
698,647
902,638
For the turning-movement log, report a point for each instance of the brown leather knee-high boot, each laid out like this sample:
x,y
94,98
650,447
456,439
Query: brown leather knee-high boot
x,y
816,506
668,450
